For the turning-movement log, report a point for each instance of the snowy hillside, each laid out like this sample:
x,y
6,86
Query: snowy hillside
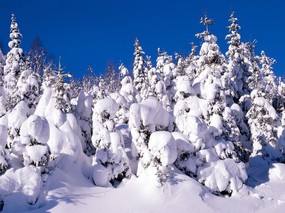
x,y
201,133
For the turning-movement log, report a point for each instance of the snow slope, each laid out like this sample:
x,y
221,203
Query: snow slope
x,y
70,191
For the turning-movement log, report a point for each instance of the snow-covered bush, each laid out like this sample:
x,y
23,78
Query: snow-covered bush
x,y
27,181
186,160
3,161
163,152
84,117
122,115
111,163
145,118
34,137
223,176
263,122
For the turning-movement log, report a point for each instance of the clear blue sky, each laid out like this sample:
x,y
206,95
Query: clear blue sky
x,y
93,32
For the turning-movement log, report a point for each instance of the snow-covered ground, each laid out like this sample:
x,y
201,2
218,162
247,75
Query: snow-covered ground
x,y
69,191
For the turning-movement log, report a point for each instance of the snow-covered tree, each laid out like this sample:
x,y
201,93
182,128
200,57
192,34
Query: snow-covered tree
x,y
61,92
111,163
83,109
34,136
127,89
140,72
268,83
14,65
263,122
145,118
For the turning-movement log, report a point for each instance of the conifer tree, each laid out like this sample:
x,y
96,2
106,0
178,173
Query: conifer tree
x,y
15,64
140,72
235,71
269,85
127,89
110,161
62,92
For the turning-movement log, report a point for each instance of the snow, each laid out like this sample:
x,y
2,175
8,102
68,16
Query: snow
x,y
72,192
162,146
107,105
35,127
26,181
223,175
3,135
203,133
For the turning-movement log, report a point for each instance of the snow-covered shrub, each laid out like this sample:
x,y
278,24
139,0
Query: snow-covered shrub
x,y
122,115
26,181
15,120
64,131
84,117
186,159
140,81
110,161
263,122
223,176
163,152
14,65
34,136
4,165
145,118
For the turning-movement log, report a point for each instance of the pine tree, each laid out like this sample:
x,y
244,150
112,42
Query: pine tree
x,y
140,72
235,71
127,89
269,85
15,64
110,157
62,91
263,122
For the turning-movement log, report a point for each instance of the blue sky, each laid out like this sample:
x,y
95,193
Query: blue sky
x,y
93,32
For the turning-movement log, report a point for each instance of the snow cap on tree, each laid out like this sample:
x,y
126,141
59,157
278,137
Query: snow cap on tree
x,y
15,34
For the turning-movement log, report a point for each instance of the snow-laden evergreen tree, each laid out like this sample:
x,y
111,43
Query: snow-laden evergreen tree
x,y
127,89
263,121
34,135
83,110
140,72
29,85
22,88
102,90
111,163
2,91
4,165
217,149
234,73
62,92
14,65
161,82
233,86
268,85
145,118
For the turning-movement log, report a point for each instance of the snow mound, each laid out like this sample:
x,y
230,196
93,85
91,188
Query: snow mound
x,y
26,181
277,172
223,176
106,105
163,147
35,127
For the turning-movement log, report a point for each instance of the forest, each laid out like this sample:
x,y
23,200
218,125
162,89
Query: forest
x,y
215,117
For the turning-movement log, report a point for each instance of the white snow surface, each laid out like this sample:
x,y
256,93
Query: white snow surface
x,y
68,190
